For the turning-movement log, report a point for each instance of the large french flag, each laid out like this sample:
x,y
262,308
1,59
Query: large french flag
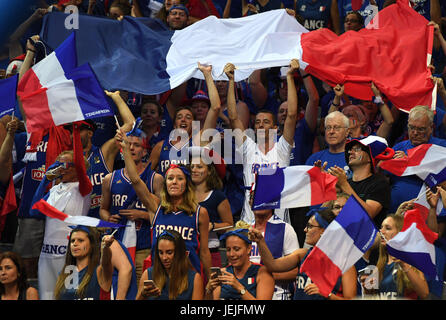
x,y
342,244
145,56
427,161
292,187
56,91
414,244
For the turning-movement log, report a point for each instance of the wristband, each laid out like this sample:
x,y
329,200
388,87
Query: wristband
x,y
307,75
31,50
378,100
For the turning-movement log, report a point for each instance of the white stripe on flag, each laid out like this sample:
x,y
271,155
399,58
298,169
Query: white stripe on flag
x,y
433,162
48,69
339,247
297,187
412,240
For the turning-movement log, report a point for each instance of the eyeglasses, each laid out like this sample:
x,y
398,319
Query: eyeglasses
x,y
309,226
355,149
418,129
335,128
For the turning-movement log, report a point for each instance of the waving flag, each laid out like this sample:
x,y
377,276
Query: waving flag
x,y
427,161
55,91
414,244
423,206
393,51
50,211
293,187
342,244
8,88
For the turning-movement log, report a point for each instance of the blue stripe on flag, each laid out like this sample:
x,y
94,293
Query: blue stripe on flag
x,y
357,224
433,179
123,54
90,95
420,260
66,53
8,88
268,189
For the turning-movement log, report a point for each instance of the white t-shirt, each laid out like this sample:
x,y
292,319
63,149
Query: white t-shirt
x,y
66,198
253,160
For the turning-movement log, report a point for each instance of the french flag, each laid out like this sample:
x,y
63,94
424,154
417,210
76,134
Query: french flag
x,y
56,91
414,244
423,206
427,161
292,187
50,211
144,56
342,244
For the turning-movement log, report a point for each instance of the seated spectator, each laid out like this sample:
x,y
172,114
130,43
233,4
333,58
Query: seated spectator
x,y
242,279
13,280
397,279
345,287
172,275
88,259
420,128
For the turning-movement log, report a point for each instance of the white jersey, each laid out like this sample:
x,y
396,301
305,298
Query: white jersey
x,y
290,244
66,198
253,160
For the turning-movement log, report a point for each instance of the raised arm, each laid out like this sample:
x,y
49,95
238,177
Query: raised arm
x,y
236,123
110,148
258,90
385,127
311,110
150,201
289,126
214,110
105,269
6,151
334,14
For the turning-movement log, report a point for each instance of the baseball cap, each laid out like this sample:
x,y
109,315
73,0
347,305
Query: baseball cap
x,y
375,146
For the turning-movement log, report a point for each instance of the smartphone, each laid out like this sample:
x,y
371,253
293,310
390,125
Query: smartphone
x,y
149,283
216,270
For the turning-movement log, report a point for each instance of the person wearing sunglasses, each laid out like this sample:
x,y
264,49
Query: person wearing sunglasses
x,y
305,289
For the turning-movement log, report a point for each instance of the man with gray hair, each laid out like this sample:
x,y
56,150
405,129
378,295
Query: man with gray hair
x,y
420,126
336,133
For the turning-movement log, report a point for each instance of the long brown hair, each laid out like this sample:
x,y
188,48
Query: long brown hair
x,y
178,275
22,283
94,259
189,203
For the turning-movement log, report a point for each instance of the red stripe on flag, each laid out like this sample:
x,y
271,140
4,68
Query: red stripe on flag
x,y
414,216
34,102
48,210
9,202
323,186
414,157
321,270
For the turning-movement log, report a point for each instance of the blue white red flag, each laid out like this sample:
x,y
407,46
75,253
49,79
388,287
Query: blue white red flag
x,y
56,91
427,161
292,187
50,211
342,244
414,244
8,88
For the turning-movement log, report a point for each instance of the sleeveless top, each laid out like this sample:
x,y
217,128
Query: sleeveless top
x,y
249,281
93,291
185,295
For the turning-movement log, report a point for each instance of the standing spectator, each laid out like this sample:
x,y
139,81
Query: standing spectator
x,y
265,152
208,191
89,259
319,14
13,280
242,279
173,276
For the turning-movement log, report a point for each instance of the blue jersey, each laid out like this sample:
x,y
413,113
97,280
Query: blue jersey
x,y
184,223
171,155
423,7
249,281
185,295
387,287
316,14
33,174
96,172
332,159
302,280
93,291
123,196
